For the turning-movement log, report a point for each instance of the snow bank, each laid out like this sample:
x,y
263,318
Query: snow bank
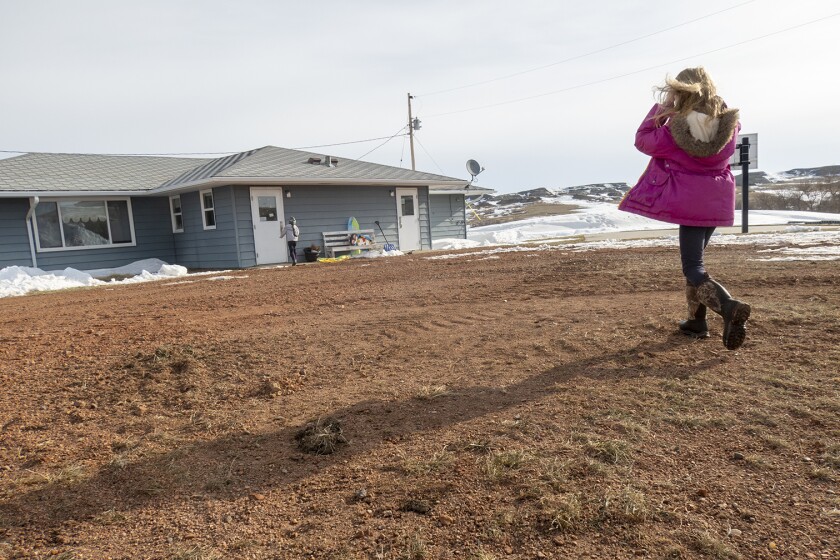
x,y
380,254
20,280
807,245
598,217
150,266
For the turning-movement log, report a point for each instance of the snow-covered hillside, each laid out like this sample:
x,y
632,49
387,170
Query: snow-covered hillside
x,y
811,186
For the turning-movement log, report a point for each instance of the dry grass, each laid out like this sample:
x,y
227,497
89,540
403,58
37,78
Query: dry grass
x,y
709,546
429,392
693,421
757,462
610,451
67,475
197,553
437,463
498,466
773,442
554,472
321,437
110,517
627,504
831,456
414,549
563,512
823,474
480,446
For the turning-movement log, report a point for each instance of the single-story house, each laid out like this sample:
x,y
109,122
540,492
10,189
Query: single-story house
x,y
99,211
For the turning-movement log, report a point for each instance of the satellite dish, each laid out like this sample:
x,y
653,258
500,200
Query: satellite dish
x,y
473,168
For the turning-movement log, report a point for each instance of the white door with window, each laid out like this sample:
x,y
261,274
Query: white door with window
x,y
267,214
408,219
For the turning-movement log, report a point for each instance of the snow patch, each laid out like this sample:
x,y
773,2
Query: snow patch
x,y
20,280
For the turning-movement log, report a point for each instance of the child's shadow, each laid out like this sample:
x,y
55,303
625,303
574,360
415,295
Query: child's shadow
x,y
241,464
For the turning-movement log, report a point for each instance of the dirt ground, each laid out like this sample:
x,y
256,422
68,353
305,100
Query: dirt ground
x,y
513,406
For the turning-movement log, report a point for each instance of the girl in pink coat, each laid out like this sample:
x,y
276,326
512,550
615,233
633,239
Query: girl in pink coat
x,y
690,136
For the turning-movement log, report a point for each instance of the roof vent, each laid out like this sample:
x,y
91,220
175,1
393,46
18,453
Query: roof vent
x,y
327,161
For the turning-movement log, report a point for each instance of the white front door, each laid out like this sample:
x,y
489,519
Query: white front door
x,y
267,214
408,219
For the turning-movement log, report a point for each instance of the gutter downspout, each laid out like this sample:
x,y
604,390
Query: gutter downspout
x,y
33,203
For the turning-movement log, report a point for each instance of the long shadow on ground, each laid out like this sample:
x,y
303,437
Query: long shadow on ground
x,y
272,460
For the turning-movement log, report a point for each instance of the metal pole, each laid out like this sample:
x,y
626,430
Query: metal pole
x,y
411,133
745,184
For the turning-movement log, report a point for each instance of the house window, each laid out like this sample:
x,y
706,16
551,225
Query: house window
x,y
208,212
177,214
82,224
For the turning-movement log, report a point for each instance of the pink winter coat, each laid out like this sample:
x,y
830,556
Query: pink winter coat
x,y
687,181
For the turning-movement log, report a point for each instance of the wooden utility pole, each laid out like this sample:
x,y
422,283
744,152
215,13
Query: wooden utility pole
x,y
411,132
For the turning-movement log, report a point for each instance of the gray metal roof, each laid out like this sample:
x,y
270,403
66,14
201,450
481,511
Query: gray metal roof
x,y
272,161
57,173
89,173
469,190
207,170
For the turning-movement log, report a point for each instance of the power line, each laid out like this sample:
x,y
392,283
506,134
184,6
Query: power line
x,y
584,55
385,142
200,153
430,155
601,81
346,143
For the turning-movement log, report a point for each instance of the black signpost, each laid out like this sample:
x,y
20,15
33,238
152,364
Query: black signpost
x,y
744,153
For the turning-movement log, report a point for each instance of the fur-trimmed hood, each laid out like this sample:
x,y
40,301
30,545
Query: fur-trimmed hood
x,y
687,139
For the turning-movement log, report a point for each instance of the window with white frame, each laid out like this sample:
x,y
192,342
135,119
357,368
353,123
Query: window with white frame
x,y
82,224
208,211
177,214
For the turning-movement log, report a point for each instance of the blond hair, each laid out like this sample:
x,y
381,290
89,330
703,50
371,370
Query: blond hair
x,y
692,90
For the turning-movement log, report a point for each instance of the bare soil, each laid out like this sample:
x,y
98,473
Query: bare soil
x,y
531,405
487,217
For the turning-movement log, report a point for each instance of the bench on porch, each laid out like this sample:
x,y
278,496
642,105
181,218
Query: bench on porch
x,y
349,240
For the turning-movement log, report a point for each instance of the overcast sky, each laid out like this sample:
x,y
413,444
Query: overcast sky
x,y
221,76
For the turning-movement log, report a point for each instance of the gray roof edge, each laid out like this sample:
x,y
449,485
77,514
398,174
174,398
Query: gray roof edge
x,y
464,190
453,186
221,181
73,194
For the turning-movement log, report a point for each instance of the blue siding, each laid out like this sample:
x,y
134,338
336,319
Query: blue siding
x,y
152,233
425,227
231,244
245,227
212,248
320,209
14,239
448,216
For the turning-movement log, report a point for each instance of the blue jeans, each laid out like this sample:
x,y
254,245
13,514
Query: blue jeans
x,y
693,241
292,251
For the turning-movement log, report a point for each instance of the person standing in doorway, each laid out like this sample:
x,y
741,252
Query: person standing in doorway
x,y
691,135
291,233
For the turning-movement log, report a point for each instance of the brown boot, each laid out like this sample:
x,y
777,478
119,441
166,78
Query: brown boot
x,y
695,325
735,313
